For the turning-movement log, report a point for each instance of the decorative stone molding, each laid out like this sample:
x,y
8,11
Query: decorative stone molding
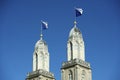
x,y
74,62
40,72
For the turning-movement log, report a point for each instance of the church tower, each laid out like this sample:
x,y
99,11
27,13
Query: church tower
x,y
41,56
40,62
76,68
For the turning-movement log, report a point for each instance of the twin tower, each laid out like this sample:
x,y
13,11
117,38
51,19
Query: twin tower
x,y
76,68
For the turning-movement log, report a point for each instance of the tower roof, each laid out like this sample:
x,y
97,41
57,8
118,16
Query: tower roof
x,y
75,31
40,42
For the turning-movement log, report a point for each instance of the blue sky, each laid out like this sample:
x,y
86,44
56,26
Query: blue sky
x,y
20,30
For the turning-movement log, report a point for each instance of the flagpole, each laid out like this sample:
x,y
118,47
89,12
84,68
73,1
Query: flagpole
x,y
75,13
75,22
41,35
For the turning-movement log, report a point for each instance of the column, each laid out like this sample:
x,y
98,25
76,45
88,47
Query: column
x,y
76,73
62,74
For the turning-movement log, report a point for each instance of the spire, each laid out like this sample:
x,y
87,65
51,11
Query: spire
x,y
75,45
41,54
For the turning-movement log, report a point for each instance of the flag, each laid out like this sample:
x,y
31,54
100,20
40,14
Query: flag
x,y
44,25
78,11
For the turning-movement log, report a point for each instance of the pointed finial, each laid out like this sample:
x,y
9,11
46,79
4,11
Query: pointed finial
x,y
41,36
75,23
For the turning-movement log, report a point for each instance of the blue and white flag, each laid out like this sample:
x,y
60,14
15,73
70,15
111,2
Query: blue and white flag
x,y
78,11
44,25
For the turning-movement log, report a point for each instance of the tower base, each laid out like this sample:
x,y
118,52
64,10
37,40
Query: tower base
x,y
76,69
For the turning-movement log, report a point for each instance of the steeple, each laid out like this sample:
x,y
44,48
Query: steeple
x,y
40,62
41,55
75,45
76,68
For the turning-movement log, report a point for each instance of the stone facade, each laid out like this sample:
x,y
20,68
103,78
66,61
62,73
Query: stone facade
x,y
76,69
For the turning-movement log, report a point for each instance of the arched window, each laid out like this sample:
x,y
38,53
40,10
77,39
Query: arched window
x,y
42,59
70,76
83,75
76,48
36,56
46,61
71,50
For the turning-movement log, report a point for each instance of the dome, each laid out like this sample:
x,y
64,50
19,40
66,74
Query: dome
x,y
74,31
40,42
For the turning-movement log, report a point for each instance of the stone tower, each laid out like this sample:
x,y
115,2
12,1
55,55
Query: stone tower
x,y
40,63
76,68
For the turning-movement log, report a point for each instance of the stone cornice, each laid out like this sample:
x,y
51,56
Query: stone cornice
x,y
75,62
40,72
